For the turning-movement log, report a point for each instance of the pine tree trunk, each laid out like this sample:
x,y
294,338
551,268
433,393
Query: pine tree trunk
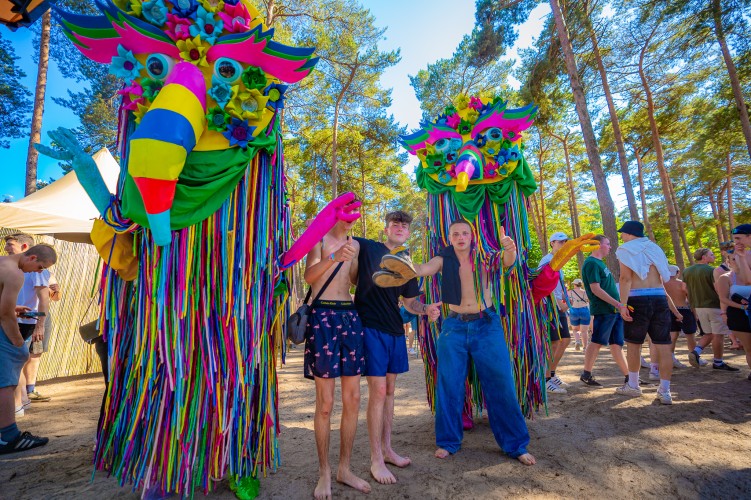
x,y
617,134
721,212
740,103
536,219
697,230
664,180
681,228
573,208
35,137
643,195
729,170
607,208
715,214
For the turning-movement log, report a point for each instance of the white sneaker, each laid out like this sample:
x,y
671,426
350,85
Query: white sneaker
x,y
20,412
678,364
703,362
411,351
644,363
627,390
554,388
654,375
560,383
665,397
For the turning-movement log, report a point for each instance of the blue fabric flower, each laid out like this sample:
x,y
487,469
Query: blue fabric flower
x,y
206,26
155,12
184,8
125,65
275,93
239,133
220,92
232,2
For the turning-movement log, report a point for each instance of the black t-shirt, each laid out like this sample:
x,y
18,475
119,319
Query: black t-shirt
x,y
379,307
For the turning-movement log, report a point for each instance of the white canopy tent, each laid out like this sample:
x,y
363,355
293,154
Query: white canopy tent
x,y
62,209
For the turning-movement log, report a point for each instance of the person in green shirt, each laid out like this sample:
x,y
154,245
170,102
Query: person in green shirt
x,y
604,305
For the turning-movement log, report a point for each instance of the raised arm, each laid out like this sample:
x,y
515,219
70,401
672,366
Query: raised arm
x,y
317,263
431,267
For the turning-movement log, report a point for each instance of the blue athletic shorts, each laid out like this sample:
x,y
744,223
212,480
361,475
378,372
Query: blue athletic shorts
x,y
579,316
608,329
334,344
12,359
384,353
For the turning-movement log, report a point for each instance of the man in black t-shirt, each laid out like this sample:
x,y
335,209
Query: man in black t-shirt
x,y
385,348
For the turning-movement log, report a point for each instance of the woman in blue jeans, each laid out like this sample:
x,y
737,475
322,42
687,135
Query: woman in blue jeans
x,y
579,314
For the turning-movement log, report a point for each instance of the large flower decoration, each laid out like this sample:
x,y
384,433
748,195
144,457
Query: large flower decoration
x,y
213,5
222,93
151,87
138,113
254,78
453,120
132,95
275,93
206,26
130,7
193,50
236,18
178,28
239,133
184,8
125,65
155,12
217,119
249,105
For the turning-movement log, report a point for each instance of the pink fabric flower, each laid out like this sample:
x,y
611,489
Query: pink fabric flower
x,y
235,17
132,96
453,120
475,103
178,28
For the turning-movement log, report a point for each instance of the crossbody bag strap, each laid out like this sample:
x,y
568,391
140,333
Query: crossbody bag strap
x,y
325,285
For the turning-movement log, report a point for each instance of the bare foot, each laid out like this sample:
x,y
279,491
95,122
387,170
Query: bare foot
x,y
345,476
323,488
382,474
527,459
441,453
392,458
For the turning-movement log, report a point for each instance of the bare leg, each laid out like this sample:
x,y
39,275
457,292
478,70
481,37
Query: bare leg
x,y
376,406
590,356
322,429
617,352
19,391
553,351
734,341
7,408
633,357
389,455
718,346
665,360
31,368
690,341
560,350
348,429
527,459
674,338
745,339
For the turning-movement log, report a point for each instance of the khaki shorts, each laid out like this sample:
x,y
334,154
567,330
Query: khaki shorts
x,y
711,321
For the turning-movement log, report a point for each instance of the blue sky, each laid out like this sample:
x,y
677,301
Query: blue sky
x,y
424,30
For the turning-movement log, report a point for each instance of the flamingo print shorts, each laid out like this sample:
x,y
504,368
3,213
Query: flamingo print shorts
x,y
334,342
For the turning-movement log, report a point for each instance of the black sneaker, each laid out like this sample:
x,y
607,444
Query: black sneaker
x,y
590,381
24,441
693,358
724,366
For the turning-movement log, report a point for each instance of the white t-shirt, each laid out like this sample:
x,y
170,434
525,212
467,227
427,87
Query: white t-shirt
x,y
28,294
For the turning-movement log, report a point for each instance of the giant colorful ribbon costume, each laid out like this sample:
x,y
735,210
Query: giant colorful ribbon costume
x,y
193,338
472,166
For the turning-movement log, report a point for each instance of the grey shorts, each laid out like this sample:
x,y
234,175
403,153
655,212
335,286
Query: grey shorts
x,y
12,359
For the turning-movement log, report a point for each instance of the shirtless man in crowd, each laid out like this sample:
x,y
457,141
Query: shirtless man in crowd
x,y
334,348
678,293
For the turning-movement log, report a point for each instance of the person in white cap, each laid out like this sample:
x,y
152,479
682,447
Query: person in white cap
x,y
678,291
560,337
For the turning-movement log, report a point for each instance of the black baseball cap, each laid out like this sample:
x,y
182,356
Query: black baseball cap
x,y
742,229
632,227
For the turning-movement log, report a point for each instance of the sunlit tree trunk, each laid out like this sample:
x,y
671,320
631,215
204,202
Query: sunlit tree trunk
x,y
573,208
643,194
35,136
607,207
715,213
697,230
729,171
681,228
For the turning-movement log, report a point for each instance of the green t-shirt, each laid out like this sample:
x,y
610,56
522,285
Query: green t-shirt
x,y
594,270
700,283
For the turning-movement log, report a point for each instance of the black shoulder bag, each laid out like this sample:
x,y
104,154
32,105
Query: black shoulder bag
x,y
297,323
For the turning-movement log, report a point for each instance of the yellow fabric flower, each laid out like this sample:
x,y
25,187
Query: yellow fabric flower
x,y
248,105
142,109
462,101
472,115
130,7
213,5
193,50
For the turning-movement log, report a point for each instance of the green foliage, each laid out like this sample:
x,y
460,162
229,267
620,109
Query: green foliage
x,y
15,104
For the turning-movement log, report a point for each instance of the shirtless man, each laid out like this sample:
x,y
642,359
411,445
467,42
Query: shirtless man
x,y
13,351
678,293
473,331
334,348
385,348
645,307
742,251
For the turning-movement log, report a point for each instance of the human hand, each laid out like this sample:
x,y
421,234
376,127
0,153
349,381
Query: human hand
x,y
506,242
678,316
345,252
20,310
38,334
625,314
433,311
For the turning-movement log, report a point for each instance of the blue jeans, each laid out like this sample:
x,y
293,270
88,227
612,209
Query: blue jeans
x,y
483,341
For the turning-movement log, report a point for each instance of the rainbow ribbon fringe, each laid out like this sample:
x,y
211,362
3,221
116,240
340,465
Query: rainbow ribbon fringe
x,y
193,342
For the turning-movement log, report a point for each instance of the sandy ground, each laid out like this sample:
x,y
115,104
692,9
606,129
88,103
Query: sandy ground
x,y
592,443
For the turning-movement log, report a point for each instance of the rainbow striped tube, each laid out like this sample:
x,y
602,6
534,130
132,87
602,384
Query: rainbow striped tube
x,y
470,160
160,145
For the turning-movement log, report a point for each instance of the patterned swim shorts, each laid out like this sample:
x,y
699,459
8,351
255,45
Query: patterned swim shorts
x,y
334,342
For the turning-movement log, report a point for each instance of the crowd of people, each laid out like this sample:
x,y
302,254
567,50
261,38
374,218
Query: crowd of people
x,y
654,300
